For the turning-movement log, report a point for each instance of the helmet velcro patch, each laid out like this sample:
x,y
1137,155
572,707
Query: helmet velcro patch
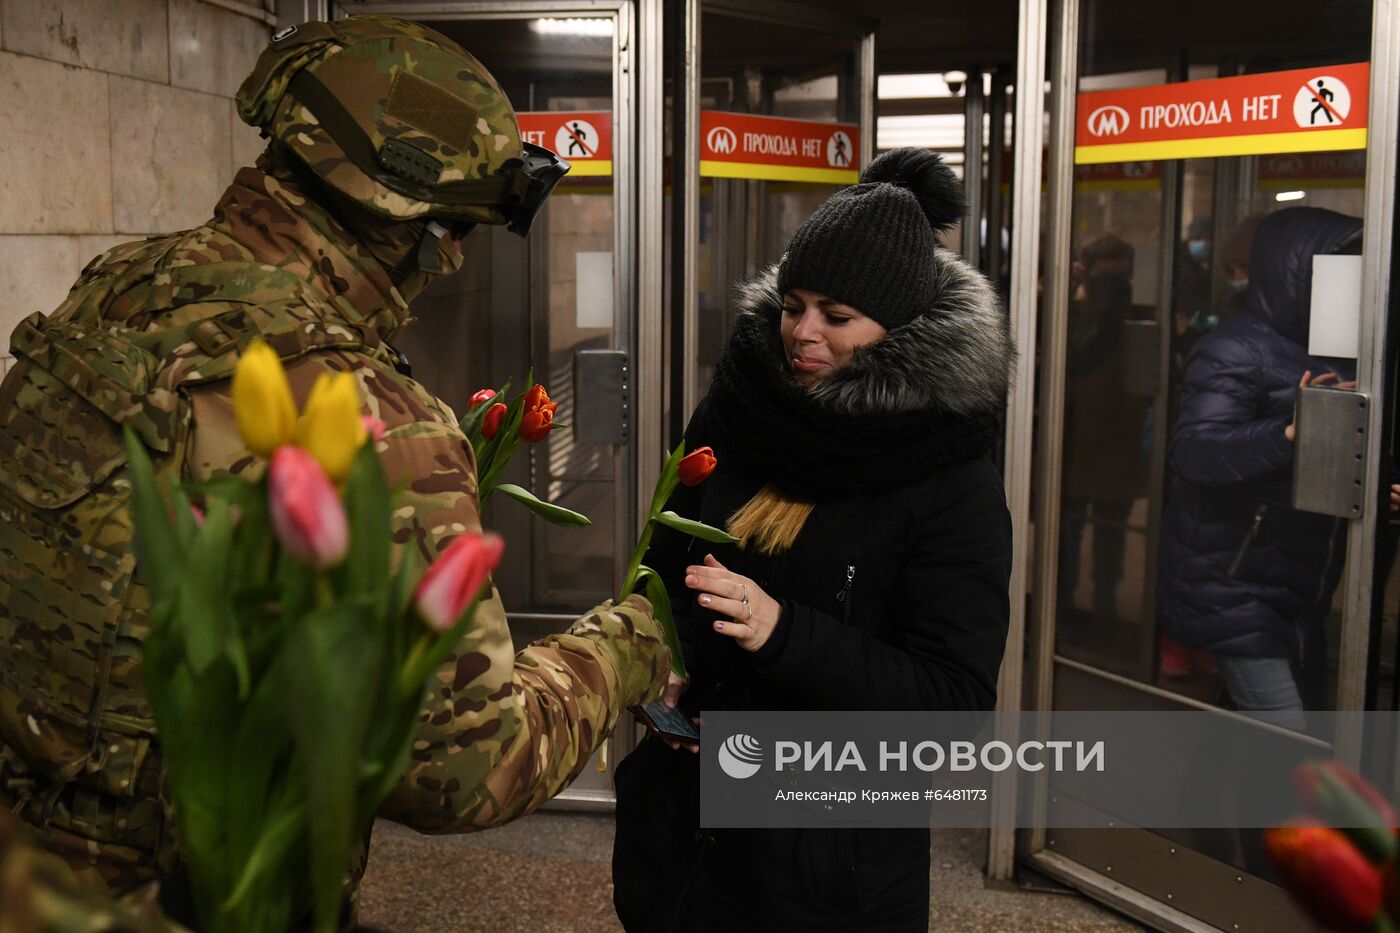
x,y
429,108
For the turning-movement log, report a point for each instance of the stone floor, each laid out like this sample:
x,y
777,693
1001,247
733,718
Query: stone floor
x,y
549,872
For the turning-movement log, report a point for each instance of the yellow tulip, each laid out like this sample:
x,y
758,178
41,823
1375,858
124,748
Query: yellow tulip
x,y
331,428
262,401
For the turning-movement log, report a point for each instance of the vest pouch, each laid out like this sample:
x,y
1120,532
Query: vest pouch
x,y
71,709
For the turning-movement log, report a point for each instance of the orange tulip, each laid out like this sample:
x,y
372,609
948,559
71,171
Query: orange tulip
x,y
492,422
697,466
538,398
536,425
1327,875
538,418
481,397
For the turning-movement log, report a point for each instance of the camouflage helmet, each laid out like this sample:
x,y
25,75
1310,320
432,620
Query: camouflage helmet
x,y
399,119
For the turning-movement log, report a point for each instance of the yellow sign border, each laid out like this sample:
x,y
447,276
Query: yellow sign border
x,y
1221,146
584,168
757,171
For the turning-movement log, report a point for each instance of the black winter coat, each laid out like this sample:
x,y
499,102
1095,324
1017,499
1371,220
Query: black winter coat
x,y
892,598
1240,568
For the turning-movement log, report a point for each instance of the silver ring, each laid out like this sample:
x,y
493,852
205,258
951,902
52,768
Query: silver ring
x,y
745,588
750,609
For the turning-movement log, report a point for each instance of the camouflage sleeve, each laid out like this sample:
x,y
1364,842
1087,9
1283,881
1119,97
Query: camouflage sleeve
x,y
38,894
502,732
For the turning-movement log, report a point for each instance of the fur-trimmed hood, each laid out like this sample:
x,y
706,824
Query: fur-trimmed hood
x,y
956,356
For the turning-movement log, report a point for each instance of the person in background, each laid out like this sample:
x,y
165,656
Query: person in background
x,y
851,416
1104,471
1241,572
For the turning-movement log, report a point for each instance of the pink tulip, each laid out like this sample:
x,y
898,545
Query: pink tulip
x,y
307,514
374,427
456,578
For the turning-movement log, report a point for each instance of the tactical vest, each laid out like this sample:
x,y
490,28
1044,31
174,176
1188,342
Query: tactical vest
x,y
77,741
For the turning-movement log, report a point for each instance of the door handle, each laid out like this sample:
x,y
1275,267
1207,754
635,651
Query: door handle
x,y
602,414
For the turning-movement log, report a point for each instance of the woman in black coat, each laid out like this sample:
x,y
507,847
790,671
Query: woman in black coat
x,y
852,415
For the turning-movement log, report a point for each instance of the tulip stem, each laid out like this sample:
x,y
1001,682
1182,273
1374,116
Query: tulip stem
x,y
629,582
325,592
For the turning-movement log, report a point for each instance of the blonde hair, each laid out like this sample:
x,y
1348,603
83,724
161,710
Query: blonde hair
x,y
770,521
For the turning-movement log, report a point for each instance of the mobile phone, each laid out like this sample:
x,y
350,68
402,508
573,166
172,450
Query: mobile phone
x,y
667,722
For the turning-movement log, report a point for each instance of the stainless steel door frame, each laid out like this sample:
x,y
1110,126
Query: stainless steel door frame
x,y
1378,246
686,148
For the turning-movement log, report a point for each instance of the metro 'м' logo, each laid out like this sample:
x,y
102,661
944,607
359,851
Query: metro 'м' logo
x,y
721,140
1109,120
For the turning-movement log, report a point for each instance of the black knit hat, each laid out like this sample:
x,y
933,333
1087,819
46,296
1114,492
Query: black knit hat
x,y
870,246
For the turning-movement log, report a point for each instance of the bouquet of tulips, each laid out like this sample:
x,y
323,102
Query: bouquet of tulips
x,y
288,656
497,425
1339,861
680,469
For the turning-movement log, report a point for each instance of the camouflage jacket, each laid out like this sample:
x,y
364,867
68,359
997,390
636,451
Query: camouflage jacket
x,y
148,338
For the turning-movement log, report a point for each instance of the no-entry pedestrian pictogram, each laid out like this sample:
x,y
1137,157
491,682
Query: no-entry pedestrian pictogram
x,y
744,145
583,138
1303,110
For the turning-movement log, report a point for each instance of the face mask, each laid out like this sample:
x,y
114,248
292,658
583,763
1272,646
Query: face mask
x,y
1199,249
1239,285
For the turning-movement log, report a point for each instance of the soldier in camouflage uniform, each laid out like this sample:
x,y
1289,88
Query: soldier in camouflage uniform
x,y
388,141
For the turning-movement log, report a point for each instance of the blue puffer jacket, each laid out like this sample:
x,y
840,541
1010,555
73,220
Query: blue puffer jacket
x,y
1239,568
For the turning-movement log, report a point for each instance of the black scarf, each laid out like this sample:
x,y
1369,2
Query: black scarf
x,y
780,434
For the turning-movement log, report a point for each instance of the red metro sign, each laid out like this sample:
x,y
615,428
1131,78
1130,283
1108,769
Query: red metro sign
x,y
1304,110
742,145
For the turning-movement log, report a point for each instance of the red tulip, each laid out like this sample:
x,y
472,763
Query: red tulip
x,y
481,397
492,422
307,515
697,466
536,425
1343,799
1330,878
456,578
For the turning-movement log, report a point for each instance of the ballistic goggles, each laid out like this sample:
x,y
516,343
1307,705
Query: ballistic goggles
x,y
516,192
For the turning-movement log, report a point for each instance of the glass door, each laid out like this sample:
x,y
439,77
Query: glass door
x,y
1184,570
557,304
778,116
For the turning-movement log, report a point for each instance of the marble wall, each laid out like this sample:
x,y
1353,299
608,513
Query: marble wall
x,y
116,122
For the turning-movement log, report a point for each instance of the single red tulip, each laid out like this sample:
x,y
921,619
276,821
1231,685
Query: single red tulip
x,y
492,422
697,466
1343,799
1327,875
456,578
481,397
307,514
536,425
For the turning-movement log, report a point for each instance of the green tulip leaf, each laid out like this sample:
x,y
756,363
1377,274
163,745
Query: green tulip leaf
x,y
695,529
155,547
554,514
661,611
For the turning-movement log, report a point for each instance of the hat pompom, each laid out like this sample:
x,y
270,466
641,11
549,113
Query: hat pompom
x,y
923,173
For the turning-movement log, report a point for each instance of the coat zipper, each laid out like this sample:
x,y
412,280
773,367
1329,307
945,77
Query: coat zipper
x,y
1248,540
843,597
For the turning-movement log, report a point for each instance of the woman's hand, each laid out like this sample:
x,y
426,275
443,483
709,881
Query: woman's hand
x,y
1291,431
753,619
